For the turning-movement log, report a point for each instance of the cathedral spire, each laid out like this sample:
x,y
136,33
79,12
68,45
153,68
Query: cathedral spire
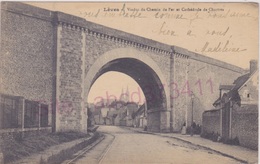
x,y
127,94
122,95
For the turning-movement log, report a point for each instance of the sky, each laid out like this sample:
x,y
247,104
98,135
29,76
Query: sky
x,y
223,31
106,87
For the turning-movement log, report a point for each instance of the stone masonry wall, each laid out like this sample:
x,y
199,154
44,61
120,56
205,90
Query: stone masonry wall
x,y
209,77
26,56
211,122
97,46
200,76
179,92
245,125
69,86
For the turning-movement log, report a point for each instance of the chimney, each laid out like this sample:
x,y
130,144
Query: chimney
x,y
253,66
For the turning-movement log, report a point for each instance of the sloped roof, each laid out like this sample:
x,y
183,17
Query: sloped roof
x,y
238,83
139,111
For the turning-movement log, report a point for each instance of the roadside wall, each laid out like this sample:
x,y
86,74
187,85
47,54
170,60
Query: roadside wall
x,y
245,125
211,121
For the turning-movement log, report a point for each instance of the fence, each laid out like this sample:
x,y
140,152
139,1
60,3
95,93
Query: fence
x,y
19,114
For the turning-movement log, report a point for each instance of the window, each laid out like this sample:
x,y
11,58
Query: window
x,y
44,115
9,111
31,114
246,93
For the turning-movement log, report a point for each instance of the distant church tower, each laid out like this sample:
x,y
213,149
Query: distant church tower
x,y
124,96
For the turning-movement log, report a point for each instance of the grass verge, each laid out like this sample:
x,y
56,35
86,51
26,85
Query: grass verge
x,y
15,148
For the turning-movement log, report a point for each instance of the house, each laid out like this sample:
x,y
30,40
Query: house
x,y
244,90
236,110
125,114
118,113
117,104
111,115
140,119
131,108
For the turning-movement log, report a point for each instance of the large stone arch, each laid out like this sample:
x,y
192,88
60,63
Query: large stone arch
x,y
146,73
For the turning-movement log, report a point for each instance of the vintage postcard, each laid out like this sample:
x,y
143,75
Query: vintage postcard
x,y
129,82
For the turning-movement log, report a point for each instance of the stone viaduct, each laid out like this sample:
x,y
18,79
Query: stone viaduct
x,y
55,57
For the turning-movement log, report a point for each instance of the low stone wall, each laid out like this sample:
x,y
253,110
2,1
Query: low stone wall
x,y
245,126
211,121
59,153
